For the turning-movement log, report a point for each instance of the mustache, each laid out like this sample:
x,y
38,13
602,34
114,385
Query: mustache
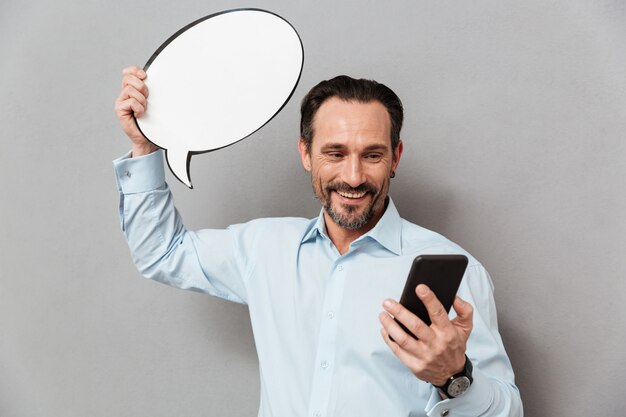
x,y
346,188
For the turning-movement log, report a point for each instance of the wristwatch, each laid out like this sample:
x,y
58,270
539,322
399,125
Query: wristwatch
x,y
458,384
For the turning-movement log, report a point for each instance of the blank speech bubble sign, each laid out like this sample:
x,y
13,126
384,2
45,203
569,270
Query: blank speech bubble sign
x,y
217,81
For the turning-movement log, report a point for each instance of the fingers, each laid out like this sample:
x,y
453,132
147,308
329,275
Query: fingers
x,y
464,315
133,96
138,92
129,106
393,331
132,101
400,351
413,324
440,348
134,70
134,82
419,360
437,313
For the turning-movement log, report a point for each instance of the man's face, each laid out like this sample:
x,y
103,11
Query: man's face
x,y
351,160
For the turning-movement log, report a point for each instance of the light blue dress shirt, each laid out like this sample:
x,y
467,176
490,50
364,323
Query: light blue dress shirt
x,y
314,312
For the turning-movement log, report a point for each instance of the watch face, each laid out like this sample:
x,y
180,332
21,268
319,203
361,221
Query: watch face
x,y
458,386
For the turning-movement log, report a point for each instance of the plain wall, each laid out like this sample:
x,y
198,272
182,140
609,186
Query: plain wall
x,y
514,148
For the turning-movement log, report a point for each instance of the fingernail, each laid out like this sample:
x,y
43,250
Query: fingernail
x,y
422,289
388,303
141,73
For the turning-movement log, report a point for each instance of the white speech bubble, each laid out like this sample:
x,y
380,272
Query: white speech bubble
x,y
217,81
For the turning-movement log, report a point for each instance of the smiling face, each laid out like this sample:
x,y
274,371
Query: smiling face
x,y
350,161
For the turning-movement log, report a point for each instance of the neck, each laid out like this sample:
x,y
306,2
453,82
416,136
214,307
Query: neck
x,y
343,237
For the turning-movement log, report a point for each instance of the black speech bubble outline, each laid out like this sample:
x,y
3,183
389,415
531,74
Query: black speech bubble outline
x,y
180,32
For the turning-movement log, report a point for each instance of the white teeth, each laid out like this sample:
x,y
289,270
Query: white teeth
x,y
350,195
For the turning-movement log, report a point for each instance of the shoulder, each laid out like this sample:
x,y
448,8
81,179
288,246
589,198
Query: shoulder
x,y
275,223
419,240
284,229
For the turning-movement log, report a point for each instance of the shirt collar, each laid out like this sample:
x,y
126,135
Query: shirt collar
x,y
387,232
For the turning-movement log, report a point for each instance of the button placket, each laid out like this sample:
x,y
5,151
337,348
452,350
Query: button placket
x,y
322,375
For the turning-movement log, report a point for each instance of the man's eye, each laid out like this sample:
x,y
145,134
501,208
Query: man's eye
x,y
334,155
373,156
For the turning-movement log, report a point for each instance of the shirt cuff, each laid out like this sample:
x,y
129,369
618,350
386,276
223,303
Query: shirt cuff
x,y
141,174
471,404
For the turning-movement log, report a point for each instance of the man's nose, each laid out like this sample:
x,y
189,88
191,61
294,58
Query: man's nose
x,y
353,173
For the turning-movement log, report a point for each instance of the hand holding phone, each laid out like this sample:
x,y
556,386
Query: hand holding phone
x,y
442,274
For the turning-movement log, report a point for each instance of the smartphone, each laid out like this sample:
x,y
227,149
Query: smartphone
x,y
442,274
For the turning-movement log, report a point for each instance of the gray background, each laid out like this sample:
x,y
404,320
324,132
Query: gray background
x,y
514,148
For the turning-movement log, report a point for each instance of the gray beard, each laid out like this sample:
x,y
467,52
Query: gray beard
x,y
354,224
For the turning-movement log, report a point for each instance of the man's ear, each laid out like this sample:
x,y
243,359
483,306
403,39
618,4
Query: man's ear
x,y
397,153
305,156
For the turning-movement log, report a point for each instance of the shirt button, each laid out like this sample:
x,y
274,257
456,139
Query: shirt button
x,y
324,365
317,414
127,173
445,412
340,267
330,314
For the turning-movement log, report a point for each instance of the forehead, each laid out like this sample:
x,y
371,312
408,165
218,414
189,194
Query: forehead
x,y
350,121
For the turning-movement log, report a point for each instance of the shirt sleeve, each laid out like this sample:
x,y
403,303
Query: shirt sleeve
x,y
493,392
207,261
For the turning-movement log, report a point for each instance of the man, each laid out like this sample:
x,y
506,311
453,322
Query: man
x,y
314,288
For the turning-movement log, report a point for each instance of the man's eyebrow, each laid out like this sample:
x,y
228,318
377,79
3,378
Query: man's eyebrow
x,y
340,146
333,147
376,147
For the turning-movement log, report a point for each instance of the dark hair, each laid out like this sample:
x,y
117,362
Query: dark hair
x,y
350,89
